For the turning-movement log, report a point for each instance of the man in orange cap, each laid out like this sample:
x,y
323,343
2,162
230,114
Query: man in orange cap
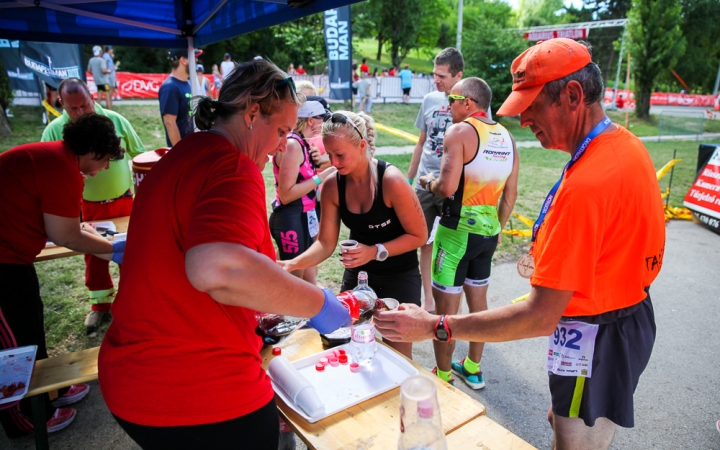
x,y
597,246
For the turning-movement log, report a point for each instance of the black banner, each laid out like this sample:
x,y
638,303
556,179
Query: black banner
x,y
31,65
338,40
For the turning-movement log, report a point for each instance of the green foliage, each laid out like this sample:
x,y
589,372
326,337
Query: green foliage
x,y
535,13
6,94
655,44
699,65
489,50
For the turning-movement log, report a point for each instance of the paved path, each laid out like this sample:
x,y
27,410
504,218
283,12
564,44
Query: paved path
x,y
676,404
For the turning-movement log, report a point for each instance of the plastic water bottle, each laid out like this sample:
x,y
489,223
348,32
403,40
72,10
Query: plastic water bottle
x,y
364,286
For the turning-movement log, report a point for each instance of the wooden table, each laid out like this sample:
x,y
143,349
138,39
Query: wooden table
x,y
121,223
375,423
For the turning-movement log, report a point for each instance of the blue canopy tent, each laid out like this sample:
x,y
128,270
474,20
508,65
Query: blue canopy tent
x,y
149,23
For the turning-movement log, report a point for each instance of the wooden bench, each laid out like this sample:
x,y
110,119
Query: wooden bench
x,y
56,373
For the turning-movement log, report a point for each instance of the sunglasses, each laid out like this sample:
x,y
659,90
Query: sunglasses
x,y
453,97
343,119
288,80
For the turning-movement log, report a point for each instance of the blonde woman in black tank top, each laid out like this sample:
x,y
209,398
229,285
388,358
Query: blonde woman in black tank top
x,y
374,200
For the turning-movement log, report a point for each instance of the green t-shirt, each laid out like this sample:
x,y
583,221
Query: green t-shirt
x,y
112,183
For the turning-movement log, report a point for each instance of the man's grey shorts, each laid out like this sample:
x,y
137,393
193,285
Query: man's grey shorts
x,y
431,206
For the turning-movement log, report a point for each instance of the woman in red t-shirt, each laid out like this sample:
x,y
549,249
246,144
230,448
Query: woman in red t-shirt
x,y
41,186
180,365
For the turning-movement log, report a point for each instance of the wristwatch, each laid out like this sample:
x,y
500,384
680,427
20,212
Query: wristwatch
x,y
382,253
442,329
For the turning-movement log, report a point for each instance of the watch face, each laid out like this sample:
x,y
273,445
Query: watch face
x,y
441,334
382,254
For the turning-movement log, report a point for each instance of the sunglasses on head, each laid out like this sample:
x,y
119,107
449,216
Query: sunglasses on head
x,y
288,80
343,119
453,97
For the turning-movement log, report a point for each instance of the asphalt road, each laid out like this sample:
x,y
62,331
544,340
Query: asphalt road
x,y
677,402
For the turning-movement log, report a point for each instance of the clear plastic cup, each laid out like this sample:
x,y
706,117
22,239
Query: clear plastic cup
x,y
420,423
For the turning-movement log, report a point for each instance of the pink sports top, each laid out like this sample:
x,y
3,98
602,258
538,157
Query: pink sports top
x,y
305,172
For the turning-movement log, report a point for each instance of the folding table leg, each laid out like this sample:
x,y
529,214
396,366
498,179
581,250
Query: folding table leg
x,y
40,423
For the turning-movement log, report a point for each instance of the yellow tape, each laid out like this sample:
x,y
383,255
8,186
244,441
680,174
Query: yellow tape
x,y
518,233
50,109
399,133
666,168
522,298
524,220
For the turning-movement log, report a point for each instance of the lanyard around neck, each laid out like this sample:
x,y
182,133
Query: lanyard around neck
x,y
599,128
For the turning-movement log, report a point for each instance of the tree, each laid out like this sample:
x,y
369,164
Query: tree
x,y
655,44
489,50
6,96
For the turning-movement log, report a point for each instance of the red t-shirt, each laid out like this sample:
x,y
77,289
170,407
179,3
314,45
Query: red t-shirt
x,y
173,356
604,236
35,179
364,68
300,71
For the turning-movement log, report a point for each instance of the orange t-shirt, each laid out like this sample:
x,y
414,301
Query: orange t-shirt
x,y
604,236
173,356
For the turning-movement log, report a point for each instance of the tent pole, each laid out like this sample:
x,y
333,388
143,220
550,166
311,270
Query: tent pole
x,y
613,105
193,72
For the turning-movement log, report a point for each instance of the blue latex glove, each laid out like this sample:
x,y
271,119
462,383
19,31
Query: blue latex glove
x,y
118,251
332,316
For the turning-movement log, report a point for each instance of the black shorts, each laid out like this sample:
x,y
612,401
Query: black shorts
x,y
103,87
406,91
461,258
622,350
405,287
289,228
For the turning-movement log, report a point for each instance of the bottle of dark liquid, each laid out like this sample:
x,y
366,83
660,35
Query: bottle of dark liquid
x,y
275,328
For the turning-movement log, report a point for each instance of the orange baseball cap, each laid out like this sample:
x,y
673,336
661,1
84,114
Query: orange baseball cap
x,y
546,61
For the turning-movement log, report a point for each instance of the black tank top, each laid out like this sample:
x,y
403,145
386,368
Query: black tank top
x,y
377,226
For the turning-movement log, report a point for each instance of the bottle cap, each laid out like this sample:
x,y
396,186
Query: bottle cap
x,y
425,409
334,362
276,351
319,367
343,359
323,361
362,275
341,352
354,367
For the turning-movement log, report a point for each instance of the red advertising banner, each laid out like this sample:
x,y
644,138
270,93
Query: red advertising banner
x,y
663,98
141,85
580,33
704,195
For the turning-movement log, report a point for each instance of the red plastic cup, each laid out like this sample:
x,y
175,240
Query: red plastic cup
x,y
276,351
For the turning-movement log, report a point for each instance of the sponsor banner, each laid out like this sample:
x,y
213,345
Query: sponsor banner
x,y
580,33
703,198
338,40
31,65
141,85
663,98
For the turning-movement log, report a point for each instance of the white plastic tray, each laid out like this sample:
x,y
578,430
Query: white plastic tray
x,y
16,365
339,389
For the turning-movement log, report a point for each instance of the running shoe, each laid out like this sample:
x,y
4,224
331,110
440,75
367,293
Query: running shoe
x,y
474,380
452,380
717,425
76,393
61,419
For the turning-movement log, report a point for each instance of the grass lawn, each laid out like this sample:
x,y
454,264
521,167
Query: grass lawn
x,y
61,280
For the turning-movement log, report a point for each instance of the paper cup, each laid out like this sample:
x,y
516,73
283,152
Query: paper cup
x,y
348,244
391,304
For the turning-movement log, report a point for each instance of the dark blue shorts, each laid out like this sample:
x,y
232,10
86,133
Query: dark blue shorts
x,y
623,346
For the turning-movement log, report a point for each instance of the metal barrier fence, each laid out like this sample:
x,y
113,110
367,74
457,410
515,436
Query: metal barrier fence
x,y
382,89
681,123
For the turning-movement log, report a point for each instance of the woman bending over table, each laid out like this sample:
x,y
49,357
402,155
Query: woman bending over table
x,y
180,365
374,200
41,189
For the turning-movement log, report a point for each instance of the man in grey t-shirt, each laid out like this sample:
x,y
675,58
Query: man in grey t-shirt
x,y
98,67
432,121
363,92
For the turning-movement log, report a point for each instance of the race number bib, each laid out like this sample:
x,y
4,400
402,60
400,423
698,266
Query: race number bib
x,y
571,348
313,224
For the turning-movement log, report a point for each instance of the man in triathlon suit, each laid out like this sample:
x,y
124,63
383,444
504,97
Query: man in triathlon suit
x,y
479,170
598,245
433,120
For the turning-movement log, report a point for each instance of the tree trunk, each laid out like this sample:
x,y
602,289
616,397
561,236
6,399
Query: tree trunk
x,y
5,129
608,67
642,101
394,55
380,44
